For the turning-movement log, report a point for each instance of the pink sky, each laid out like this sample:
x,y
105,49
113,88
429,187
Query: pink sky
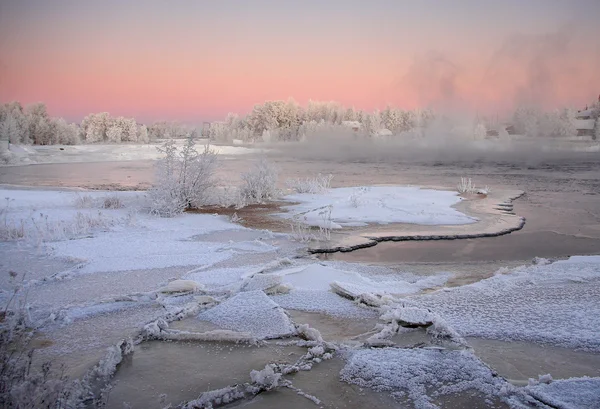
x,y
195,61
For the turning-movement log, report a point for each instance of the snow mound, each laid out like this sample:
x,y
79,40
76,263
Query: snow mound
x,y
555,303
378,204
421,375
251,312
574,393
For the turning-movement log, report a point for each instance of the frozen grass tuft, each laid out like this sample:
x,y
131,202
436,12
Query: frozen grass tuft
x,y
112,202
466,185
302,231
84,201
40,228
317,184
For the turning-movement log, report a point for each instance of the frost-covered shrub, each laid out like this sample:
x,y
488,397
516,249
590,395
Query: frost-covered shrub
x,y
183,179
317,184
259,184
23,385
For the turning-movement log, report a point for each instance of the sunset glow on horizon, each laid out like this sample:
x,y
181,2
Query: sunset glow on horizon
x,y
198,60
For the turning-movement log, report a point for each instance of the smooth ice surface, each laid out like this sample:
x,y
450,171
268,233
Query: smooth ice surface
x,y
555,303
251,312
573,393
419,374
378,204
320,277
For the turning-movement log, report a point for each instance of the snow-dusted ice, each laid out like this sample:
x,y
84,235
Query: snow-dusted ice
x,y
129,269
555,303
320,277
251,312
574,393
421,375
377,204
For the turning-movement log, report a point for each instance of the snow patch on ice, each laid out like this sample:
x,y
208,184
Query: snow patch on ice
x,y
379,204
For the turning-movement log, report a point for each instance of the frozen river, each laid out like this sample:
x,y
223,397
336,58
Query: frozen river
x,y
561,204
537,320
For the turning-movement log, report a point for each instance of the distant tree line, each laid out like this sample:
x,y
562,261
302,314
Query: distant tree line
x,y
269,121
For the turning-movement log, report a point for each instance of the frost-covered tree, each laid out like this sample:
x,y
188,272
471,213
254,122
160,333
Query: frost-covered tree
x,y
39,126
526,121
372,123
597,129
114,133
94,127
479,131
65,134
9,129
17,127
142,134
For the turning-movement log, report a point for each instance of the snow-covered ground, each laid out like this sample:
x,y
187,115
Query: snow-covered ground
x,y
31,154
103,275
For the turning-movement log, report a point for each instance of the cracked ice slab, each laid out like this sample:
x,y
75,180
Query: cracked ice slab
x,y
555,304
251,312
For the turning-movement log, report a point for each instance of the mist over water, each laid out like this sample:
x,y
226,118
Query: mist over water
x,y
438,146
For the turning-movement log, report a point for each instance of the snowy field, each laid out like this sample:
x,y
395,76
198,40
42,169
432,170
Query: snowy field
x,y
32,154
103,278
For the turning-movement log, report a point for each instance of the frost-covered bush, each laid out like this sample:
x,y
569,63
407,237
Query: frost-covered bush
x,y
259,184
23,385
183,178
317,184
